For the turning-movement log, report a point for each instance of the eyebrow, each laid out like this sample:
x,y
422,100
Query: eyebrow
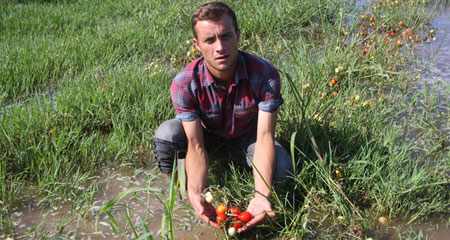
x,y
221,36
209,38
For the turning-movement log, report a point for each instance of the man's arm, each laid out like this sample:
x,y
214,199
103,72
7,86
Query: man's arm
x,y
263,168
197,171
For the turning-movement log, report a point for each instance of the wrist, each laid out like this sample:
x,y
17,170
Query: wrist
x,y
194,190
259,194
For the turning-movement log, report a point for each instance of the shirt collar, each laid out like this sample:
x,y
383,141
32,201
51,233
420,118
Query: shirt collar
x,y
241,71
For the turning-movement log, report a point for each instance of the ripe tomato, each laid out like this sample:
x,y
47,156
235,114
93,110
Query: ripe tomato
x,y
221,209
333,82
221,218
245,217
234,212
237,225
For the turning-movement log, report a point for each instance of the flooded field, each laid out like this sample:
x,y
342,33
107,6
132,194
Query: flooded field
x,y
67,221
434,56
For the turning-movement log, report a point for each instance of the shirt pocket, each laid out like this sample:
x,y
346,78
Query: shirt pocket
x,y
212,115
246,113
211,118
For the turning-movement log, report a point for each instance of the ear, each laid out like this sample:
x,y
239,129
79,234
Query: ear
x,y
195,41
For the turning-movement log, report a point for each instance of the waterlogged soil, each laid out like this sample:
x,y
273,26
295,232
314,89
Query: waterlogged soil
x,y
435,52
434,56
85,222
434,71
433,228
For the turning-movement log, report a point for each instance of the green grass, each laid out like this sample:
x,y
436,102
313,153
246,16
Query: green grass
x,y
84,85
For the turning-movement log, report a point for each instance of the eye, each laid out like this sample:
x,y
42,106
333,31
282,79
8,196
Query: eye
x,y
226,36
209,40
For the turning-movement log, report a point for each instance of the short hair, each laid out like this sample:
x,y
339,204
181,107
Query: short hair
x,y
213,11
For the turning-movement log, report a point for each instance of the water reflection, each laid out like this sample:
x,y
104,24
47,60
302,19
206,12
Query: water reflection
x,y
435,54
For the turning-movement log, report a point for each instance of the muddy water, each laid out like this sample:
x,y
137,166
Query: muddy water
x,y
435,52
434,56
86,222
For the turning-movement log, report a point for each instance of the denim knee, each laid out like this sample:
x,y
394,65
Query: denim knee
x,y
284,166
169,141
283,162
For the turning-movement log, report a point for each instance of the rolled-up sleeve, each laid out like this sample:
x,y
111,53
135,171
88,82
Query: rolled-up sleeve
x,y
183,102
271,93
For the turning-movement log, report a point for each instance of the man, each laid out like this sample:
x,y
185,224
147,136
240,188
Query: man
x,y
225,96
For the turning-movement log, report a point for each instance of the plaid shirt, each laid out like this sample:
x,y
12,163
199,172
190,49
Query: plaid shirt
x,y
232,112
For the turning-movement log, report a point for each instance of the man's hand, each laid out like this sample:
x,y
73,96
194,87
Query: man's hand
x,y
263,167
259,207
204,210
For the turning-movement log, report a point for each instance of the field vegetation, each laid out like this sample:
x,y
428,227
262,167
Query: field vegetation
x,y
84,85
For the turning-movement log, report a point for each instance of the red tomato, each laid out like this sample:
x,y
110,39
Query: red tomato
x,y
221,209
221,218
234,212
245,217
237,225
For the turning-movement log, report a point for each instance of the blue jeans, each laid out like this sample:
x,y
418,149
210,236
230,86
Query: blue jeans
x,y
171,140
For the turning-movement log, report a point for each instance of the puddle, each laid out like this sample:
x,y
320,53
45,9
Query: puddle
x,y
433,229
435,52
86,222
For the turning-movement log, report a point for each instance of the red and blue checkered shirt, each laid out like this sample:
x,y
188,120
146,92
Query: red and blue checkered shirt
x,y
232,112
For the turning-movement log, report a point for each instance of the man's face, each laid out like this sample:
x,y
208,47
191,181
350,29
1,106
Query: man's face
x,y
218,43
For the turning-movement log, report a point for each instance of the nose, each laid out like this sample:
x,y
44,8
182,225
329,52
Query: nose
x,y
219,45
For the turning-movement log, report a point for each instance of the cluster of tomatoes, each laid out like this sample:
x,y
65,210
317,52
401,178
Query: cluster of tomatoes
x,y
232,215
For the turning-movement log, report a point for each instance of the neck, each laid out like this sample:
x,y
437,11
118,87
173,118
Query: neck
x,y
223,78
225,82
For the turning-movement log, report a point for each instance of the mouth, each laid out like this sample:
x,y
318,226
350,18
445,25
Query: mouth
x,y
222,58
